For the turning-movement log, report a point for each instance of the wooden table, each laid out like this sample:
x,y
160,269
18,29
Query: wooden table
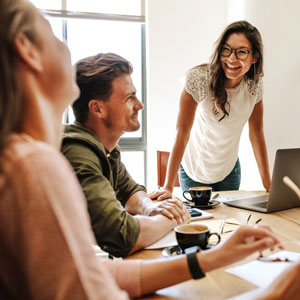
x,y
218,284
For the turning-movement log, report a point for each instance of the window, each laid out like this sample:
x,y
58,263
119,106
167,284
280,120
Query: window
x,y
90,27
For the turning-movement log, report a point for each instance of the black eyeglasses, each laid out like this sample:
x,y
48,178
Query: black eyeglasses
x,y
240,53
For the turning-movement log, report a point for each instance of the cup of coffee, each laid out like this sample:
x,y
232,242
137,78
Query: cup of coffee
x,y
199,195
189,235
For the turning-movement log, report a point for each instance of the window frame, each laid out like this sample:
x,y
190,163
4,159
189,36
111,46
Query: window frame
x,y
127,144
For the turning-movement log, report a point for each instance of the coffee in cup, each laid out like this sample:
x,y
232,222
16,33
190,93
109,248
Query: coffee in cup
x,y
200,195
189,235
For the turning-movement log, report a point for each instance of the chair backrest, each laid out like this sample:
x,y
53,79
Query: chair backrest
x,y
162,164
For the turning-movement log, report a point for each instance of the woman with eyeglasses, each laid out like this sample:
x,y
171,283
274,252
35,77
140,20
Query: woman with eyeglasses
x,y
217,101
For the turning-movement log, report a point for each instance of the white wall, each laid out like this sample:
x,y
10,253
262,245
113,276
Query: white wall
x,y
181,34
279,24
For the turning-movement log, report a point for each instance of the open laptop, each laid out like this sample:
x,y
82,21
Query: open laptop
x,y
287,163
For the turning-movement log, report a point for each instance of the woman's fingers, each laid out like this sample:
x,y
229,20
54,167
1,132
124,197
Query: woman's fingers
x,y
160,195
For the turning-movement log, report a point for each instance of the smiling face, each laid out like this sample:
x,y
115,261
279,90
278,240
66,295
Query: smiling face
x,y
123,106
235,68
57,75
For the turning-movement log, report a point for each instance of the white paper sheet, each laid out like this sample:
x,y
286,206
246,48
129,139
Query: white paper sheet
x,y
262,274
167,241
253,294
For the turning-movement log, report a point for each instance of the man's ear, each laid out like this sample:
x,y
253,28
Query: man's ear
x,y
28,52
96,108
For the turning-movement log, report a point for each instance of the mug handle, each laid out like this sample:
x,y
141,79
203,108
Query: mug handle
x,y
218,241
187,191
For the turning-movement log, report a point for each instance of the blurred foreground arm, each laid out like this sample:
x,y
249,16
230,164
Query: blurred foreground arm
x,y
243,242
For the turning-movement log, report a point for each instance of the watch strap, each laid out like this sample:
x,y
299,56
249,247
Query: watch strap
x,y
193,264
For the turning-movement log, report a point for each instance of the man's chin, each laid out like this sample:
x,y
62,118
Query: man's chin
x,y
134,127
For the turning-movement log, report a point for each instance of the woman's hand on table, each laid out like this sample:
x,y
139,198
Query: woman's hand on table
x,y
163,193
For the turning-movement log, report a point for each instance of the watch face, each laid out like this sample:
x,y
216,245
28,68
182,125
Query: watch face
x,y
191,249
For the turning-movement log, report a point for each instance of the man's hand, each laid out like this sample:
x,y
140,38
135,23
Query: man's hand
x,y
243,242
160,195
172,209
140,204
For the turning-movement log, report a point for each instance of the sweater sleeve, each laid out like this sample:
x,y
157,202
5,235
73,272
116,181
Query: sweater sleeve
x,y
127,274
47,232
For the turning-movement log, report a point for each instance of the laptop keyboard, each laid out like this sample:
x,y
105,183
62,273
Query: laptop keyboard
x,y
262,204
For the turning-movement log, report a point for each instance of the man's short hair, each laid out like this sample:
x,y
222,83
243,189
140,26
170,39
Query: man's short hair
x,y
95,75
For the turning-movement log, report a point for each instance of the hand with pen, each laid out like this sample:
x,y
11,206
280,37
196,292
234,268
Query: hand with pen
x,y
242,242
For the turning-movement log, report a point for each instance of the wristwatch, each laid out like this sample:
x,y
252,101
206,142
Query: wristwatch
x,y
193,264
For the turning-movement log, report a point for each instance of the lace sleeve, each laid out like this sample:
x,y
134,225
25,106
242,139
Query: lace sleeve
x,y
196,83
256,89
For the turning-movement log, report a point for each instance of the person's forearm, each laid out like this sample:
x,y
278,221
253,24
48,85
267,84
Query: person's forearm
x,y
175,158
260,153
160,274
243,242
139,204
152,229
172,271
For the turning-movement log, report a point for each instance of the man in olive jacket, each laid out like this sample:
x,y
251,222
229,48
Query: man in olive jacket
x,y
124,219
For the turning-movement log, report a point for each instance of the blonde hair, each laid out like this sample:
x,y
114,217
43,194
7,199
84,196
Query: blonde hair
x,y
17,16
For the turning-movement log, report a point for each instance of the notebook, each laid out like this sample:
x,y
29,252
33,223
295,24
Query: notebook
x,y
287,163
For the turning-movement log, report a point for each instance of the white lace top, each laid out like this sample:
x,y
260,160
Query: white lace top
x,y
212,150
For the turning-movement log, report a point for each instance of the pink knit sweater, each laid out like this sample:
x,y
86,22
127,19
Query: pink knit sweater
x,y
46,237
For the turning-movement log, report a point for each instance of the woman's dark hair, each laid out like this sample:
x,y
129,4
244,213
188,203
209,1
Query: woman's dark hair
x,y
217,76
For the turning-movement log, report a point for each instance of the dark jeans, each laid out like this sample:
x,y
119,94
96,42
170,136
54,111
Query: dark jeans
x,y
231,182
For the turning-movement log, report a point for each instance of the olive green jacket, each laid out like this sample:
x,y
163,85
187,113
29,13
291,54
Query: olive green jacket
x,y
107,186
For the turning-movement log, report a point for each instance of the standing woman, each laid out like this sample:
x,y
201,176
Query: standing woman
x,y
217,101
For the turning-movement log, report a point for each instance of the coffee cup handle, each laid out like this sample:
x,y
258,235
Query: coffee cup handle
x,y
218,241
187,191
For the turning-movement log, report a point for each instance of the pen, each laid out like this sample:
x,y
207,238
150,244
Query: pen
x,y
248,219
258,221
221,229
215,196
